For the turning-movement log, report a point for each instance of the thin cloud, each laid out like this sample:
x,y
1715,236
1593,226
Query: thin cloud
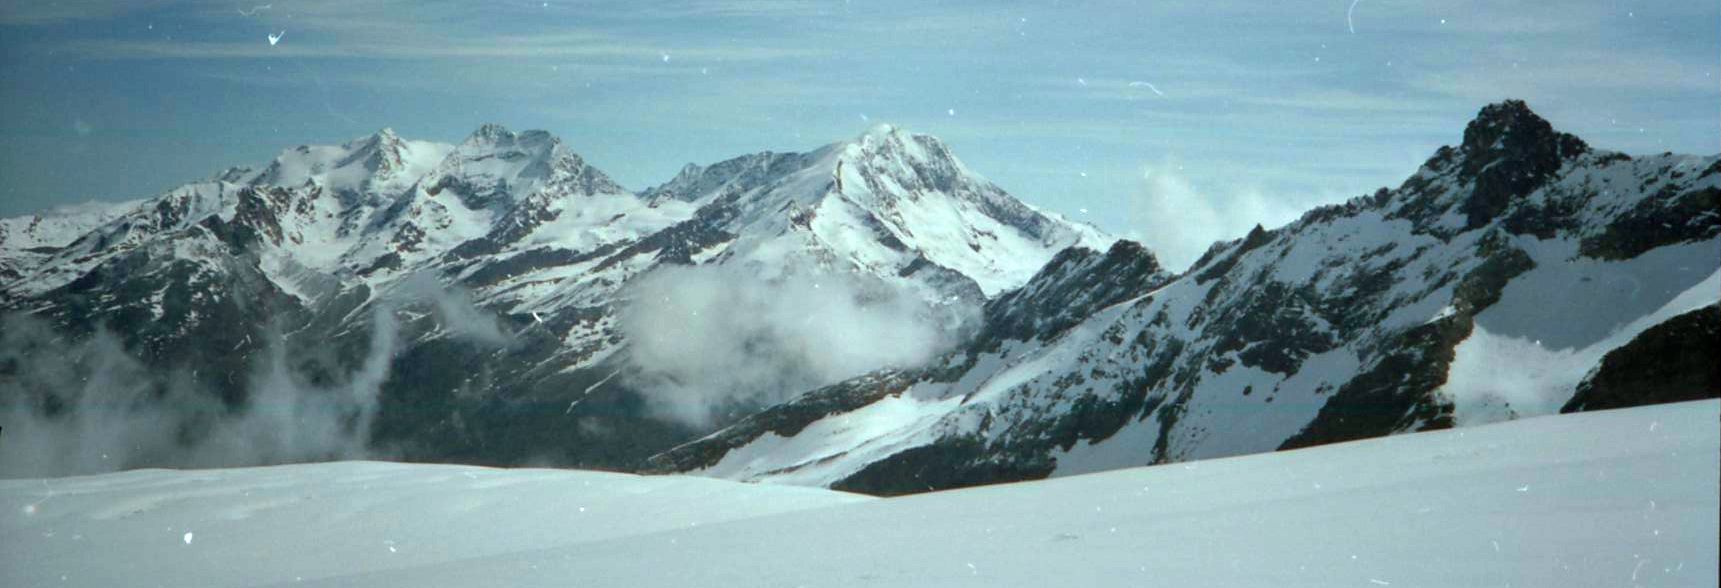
x,y
65,11
1342,100
1569,72
400,30
706,9
529,47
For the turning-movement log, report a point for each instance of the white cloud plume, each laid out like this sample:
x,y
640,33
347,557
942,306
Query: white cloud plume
x,y
1179,220
707,339
454,309
1498,377
84,407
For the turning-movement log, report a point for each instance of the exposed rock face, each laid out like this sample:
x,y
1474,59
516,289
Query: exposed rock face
x,y
1508,151
1071,287
1671,362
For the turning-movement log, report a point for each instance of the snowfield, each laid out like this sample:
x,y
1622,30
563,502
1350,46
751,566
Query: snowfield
x,y
1613,498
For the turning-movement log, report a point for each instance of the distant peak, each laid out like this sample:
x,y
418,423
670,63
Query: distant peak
x,y
690,170
881,130
1502,118
1510,127
1509,107
886,138
888,149
887,133
490,133
383,137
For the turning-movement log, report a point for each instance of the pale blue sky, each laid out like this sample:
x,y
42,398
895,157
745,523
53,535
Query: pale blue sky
x,y
1177,123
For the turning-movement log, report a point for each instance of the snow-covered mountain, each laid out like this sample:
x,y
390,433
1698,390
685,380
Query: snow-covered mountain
x,y
888,203
1484,288
1624,497
463,302
26,240
501,301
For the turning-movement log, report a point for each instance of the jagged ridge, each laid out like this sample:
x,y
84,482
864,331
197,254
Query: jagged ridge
x,y
1348,323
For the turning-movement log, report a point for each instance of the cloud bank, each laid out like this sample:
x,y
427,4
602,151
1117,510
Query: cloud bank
x,y
704,341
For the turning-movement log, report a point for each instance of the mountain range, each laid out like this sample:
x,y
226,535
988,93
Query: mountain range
x,y
1518,274
869,316
471,302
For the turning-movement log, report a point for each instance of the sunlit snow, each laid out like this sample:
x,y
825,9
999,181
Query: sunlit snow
x,y
1608,498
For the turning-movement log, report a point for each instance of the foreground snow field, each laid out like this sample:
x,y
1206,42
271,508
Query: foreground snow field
x,y
1617,498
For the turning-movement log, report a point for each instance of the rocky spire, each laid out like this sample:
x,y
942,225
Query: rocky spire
x,y
1509,151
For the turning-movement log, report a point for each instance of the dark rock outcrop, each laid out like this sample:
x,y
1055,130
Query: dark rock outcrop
x,y
1675,361
1508,152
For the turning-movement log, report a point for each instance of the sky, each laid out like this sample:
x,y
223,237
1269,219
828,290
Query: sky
x,y
1174,123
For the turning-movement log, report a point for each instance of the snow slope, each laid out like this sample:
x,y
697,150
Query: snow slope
x,y
28,240
1611,498
257,526
59,226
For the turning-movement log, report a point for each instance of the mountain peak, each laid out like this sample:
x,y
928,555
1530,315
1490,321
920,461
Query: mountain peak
x,y
915,161
1509,151
379,152
380,161
1509,129
495,164
489,133
882,130
888,149
382,138
495,135
886,134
